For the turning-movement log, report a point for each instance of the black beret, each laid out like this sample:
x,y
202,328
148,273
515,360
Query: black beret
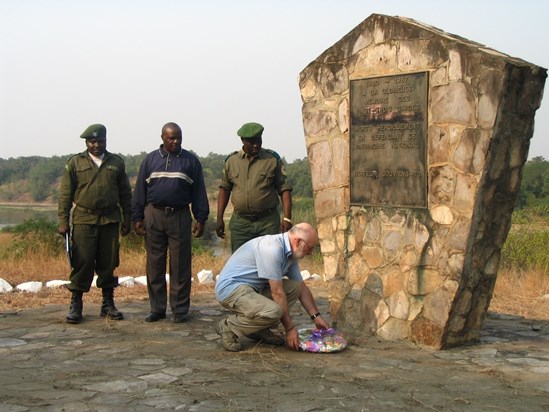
x,y
95,131
250,130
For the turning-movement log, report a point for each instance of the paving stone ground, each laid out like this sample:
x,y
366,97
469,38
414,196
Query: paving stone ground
x,y
130,365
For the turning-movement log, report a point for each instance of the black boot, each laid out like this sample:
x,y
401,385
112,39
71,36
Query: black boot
x,y
108,309
75,311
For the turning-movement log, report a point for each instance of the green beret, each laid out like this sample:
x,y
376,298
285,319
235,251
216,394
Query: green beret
x,y
250,130
95,131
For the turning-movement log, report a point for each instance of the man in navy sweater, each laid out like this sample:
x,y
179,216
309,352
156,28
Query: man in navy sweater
x,y
169,185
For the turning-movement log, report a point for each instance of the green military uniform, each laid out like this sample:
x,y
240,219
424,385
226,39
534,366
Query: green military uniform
x,y
101,197
255,186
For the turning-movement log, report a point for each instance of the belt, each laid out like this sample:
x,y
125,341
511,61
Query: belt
x,y
170,209
256,216
98,212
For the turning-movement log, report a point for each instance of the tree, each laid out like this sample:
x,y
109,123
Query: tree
x,y
299,174
534,188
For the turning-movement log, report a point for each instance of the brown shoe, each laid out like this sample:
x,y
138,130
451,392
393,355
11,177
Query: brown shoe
x,y
228,338
267,336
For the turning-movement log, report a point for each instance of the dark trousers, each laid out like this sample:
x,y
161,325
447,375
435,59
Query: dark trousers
x,y
95,249
168,231
244,229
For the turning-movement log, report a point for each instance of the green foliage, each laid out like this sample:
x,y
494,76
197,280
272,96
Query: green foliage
x,y
526,249
133,163
42,177
35,237
303,210
534,187
212,167
299,174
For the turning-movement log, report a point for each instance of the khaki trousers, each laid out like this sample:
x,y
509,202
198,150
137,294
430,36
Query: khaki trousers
x,y
253,311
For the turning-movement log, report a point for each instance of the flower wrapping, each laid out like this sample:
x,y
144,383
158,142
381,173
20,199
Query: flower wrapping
x,y
321,340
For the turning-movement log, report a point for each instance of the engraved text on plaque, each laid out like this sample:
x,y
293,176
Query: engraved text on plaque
x,y
388,140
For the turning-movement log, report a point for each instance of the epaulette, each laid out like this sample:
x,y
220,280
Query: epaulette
x,y
275,154
117,155
69,160
229,155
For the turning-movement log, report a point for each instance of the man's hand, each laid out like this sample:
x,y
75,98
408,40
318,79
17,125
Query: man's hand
x,y
285,226
139,228
63,229
321,323
125,228
198,229
292,339
220,228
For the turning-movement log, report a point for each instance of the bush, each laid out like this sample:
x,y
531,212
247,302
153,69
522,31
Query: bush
x,y
526,249
36,237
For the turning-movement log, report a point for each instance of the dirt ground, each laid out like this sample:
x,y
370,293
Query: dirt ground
x,y
130,365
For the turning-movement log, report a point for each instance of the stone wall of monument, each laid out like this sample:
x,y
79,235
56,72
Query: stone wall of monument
x,y
424,274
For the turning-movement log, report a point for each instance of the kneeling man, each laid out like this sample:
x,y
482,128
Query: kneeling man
x,y
251,285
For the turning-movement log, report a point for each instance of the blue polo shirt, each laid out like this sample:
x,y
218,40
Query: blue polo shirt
x,y
255,263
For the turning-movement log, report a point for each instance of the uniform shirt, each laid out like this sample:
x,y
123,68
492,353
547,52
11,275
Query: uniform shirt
x,y
255,263
97,192
166,179
255,184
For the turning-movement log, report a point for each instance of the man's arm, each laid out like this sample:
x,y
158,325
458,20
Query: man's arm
x,y
222,202
139,199
277,292
308,301
287,208
125,196
66,195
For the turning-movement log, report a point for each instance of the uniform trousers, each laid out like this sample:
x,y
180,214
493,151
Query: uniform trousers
x,y
247,228
168,231
253,311
95,249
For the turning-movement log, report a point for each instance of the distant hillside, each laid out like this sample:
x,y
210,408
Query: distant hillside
x,y
36,179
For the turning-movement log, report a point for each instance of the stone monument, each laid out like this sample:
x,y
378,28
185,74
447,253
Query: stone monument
x,y
416,140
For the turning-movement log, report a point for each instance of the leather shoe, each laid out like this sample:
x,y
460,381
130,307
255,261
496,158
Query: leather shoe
x,y
228,338
180,317
267,336
155,317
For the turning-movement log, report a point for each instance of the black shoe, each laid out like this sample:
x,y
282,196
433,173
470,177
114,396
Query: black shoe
x,y
155,317
75,310
108,310
180,317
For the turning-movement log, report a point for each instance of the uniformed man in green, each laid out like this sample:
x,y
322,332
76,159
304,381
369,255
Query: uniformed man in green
x,y
96,189
256,178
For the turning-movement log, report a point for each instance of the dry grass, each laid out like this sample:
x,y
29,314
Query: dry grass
x,y
523,294
45,268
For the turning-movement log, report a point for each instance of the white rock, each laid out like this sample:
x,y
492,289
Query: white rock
x,y
5,286
305,274
56,283
315,277
127,281
141,280
205,276
32,287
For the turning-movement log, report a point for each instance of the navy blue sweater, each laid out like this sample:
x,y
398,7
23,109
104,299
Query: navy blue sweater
x,y
166,179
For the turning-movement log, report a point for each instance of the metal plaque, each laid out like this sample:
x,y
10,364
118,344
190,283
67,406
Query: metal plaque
x,y
388,144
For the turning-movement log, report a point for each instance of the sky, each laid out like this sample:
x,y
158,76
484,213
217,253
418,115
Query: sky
x,y
208,65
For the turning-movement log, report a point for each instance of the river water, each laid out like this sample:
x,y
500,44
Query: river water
x,y
13,215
